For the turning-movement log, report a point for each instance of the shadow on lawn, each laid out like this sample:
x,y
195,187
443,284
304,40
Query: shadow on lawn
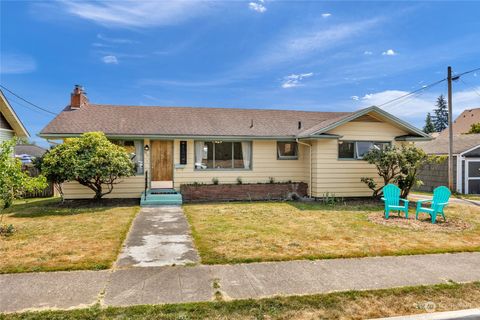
x,y
366,204
54,207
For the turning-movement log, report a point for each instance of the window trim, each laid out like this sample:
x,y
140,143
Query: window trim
x,y
280,157
213,153
355,148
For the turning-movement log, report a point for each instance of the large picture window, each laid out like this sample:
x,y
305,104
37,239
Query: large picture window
x,y
135,151
223,155
357,149
287,150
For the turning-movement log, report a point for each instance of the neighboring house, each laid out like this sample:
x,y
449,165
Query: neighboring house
x,y
186,145
10,124
28,152
466,153
463,122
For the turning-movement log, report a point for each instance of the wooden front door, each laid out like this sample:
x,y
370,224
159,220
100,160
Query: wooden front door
x,y
162,160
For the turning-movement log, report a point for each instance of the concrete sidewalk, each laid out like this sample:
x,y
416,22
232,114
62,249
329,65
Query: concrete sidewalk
x,y
160,236
158,285
470,314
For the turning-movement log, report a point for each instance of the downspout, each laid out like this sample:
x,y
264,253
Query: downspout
x,y
310,180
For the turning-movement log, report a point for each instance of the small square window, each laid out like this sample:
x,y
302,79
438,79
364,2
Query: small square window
x,y
287,150
346,150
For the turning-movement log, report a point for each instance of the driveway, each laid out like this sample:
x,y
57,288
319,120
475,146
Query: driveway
x,y
160,236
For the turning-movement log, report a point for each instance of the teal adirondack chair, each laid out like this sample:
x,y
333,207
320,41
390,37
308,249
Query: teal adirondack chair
x,y
391,197
441,195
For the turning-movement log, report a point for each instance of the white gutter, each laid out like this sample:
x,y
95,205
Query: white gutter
x,y
310,183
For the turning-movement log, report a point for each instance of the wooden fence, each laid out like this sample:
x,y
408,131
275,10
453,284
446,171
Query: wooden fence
x,y
45,193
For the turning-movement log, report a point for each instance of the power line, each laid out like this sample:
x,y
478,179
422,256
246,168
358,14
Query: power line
x,y
456,77
413,92
466,72
471,87
30,103
16,101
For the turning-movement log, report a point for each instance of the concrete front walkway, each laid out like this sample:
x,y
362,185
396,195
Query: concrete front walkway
x,y
158,285
414,196
160,236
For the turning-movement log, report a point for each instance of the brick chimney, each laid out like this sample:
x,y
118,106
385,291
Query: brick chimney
x,y
78,97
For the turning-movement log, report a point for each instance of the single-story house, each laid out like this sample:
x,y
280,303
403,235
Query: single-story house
x,y
175,146
10,124
466,154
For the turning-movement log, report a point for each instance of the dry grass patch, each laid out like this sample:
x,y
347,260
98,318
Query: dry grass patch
x,y
268,231
51,236
342,305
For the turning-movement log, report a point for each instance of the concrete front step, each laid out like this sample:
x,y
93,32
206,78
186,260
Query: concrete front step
x,y
161,197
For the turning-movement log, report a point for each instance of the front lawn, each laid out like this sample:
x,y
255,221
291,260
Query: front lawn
x,y
339,305
269,231
52,236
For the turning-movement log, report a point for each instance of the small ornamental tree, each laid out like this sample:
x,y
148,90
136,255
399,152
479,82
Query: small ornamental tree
x,y
474,128
411,159
91,160
398,165
388,167
14,182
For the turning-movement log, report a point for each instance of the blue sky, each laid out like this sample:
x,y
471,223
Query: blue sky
x,y
305,55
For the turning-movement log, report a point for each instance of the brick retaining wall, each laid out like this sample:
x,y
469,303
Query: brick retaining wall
x,y
238,192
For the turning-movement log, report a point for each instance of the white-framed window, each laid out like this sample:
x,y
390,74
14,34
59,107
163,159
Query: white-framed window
x,y
223,155
357,149
287,150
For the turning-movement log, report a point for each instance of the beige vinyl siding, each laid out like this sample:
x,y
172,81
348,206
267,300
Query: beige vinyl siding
x,y
5,135
264,165
342,177
131,187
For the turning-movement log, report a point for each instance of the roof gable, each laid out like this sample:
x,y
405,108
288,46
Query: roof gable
x,y
367,114
11,117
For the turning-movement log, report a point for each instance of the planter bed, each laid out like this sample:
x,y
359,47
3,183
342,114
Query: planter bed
x,y
243,192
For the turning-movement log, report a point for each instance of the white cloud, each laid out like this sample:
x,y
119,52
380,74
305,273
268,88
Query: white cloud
x,y
257,7
326,15
389,52
135,14
416,107
110,59
300,44
115,40
294,80
13,63
355,98
367,53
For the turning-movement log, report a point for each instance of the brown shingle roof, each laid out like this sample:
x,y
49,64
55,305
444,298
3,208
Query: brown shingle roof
x,y
464,121
461,143
141,120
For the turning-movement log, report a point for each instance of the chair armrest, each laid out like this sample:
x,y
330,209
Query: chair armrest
x,y
404,200
382,198
442,204
424,200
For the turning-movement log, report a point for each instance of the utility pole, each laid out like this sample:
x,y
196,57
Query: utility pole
x,y
450,131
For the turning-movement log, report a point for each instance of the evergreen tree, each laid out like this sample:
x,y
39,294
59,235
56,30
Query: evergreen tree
x,y
440,120
429,127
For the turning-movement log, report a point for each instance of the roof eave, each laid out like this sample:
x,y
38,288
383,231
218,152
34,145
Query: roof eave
x,y
159,136
410,138
18,127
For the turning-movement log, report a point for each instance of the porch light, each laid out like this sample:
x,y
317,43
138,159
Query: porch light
x,y
146,148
